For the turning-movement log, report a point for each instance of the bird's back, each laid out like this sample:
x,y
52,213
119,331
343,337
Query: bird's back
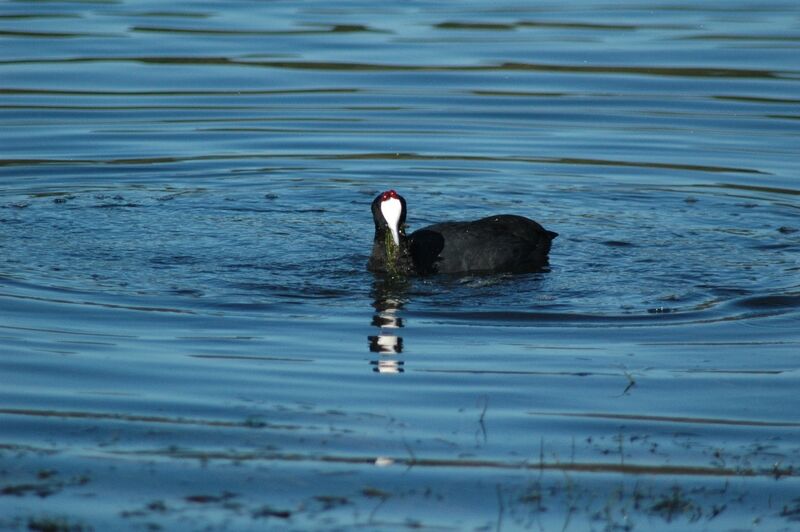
x,y
502,243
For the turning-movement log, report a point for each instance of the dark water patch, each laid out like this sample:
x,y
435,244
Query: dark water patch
x,y
519,94
208,92
559,25
35,16
47,483
595,26
173,14
731,343
673,420
28,162
618,244
175,260
483,26
456,464
724,37
63,331
647,71
768,247
512,372
788,301
17,205
50,35
726,291
338,28
126,205
106,108
653,317
756,188
155,420
758,100
570,161
739,372
254,358
51,300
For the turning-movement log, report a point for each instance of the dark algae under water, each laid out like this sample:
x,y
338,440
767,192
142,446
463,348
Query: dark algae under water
x,y
189,338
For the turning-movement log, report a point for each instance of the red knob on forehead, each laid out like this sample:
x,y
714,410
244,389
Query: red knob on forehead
x,y
388,195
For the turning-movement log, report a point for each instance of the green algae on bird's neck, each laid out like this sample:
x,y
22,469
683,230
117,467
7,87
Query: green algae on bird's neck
x,y
392,251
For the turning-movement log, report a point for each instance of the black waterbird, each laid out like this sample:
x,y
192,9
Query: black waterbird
x,y
500,243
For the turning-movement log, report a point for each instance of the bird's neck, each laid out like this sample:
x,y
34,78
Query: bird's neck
x,y
397,261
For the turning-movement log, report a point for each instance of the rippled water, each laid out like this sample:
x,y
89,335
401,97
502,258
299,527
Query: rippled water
x,y
188,335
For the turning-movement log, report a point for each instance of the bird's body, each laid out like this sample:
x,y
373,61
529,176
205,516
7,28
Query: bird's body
x,y
500,243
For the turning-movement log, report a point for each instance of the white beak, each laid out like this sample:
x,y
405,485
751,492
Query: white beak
x,y
391,210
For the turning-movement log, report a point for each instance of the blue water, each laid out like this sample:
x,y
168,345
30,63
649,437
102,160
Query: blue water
x,y
188,335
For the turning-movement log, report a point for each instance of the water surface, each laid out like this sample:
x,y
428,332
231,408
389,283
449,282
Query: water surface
x,y
188,335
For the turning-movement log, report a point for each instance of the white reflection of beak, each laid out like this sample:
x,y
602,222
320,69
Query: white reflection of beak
x,y
389,366
383,461
388,342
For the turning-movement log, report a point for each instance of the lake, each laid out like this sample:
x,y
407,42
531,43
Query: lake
x,y
189,338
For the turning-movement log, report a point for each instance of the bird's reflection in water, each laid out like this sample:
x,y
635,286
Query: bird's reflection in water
x,y
388,298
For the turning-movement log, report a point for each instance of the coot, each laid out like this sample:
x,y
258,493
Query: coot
x,y
501,243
